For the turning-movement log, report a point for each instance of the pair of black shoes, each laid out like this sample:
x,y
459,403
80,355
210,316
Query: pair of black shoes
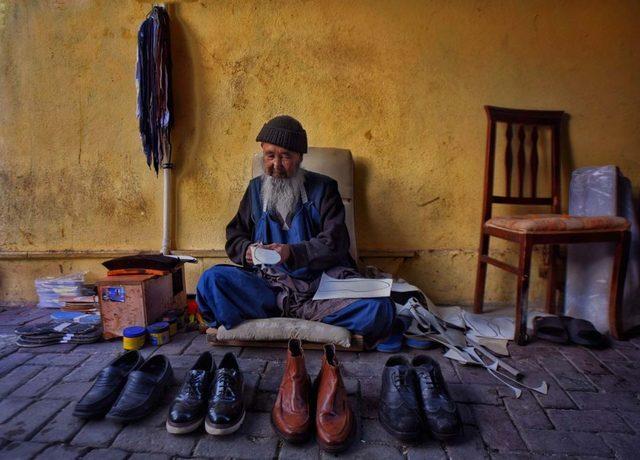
x,y
128,389
210,394
414,399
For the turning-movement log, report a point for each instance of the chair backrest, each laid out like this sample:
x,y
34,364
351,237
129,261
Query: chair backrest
x,y
518,124
337,164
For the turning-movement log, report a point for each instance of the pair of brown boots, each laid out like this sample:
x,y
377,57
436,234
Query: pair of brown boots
x,y
294,413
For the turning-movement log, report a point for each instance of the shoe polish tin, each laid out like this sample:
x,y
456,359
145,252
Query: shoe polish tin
x,y
159,333
173,323
133,337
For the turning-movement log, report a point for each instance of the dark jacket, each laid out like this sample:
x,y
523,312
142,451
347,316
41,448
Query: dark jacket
x,y
329,245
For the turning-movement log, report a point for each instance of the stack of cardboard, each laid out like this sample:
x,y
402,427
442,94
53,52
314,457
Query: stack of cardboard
x,y
84,304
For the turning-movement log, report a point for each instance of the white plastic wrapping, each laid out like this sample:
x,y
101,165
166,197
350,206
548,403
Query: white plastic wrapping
x,y
601,191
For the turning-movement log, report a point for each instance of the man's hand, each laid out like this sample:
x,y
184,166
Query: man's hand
x,y
283,249
247,255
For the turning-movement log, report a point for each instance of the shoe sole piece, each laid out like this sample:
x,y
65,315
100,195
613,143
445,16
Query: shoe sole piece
x,y
184,429
420,344
221,430
389,349
391,345
293,439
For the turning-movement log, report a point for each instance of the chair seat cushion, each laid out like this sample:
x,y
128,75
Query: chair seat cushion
x,y
531,223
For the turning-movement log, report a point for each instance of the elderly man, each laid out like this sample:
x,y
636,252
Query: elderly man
x,y
300,215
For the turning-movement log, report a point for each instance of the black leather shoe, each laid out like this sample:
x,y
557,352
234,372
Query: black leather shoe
x,y
399,410
439,409
108,384
190,406
143,390
226,405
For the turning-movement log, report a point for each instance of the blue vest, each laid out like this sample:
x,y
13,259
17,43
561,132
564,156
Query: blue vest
x,y
305,224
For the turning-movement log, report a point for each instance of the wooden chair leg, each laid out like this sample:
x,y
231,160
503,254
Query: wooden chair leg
x,y
481,274
618,274
552,280
524,269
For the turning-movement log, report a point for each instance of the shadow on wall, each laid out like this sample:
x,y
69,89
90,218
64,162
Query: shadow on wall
x,y
362,207
188,114
566,160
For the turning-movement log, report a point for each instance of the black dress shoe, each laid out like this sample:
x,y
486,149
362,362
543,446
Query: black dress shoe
x,y
399,411
190,406
143,390
107,387
226,405
440,412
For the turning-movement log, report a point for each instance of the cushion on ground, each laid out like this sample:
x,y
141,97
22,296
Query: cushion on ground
x,y
275,329
530,223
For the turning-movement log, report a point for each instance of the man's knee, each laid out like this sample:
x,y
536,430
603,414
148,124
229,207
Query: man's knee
x,y
217,275
384,309
379,314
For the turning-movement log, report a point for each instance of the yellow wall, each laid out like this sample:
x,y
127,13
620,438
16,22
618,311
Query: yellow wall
x,y
400,83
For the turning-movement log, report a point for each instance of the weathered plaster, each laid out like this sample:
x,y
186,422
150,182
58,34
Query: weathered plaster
x,y
401,84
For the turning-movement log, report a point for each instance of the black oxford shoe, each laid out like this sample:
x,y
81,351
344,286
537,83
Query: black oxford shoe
x,y
188,409
107,387
399,411
439,409
143,390
226,404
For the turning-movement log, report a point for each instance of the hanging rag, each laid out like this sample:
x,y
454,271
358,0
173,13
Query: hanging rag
x,y
153,82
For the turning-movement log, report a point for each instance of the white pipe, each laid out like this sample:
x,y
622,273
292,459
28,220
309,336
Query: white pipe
x,y
166,208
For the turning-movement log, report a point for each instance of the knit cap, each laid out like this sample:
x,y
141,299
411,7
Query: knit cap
x,y
286,132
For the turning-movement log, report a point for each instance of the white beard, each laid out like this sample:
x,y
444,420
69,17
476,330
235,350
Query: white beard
x,y
282,195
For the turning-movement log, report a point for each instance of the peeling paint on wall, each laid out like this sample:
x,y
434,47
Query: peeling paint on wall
x,y
401,84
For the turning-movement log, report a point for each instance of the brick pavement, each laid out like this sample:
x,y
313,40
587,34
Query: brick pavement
x,y
592,409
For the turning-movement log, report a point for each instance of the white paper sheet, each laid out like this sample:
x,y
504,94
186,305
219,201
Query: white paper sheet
x,y
403,286
457,355
354,288
450,315
492,327
498,346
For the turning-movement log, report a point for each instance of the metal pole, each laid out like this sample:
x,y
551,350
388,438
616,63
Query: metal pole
x,y
167,216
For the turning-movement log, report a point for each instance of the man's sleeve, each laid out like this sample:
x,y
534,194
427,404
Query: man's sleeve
x,y
331,246
240,231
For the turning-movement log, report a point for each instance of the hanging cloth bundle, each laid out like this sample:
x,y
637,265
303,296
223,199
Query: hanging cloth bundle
x,y
153,81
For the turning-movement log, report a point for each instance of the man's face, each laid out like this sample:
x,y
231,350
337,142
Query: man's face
x,y
279,162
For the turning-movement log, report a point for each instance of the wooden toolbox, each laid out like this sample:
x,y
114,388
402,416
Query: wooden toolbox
x,y
139,300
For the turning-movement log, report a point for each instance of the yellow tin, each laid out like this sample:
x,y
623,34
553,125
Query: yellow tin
x,y
159,333
133,337
172,319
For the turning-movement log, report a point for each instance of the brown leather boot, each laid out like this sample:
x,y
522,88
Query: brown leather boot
x,y
335,420
291,414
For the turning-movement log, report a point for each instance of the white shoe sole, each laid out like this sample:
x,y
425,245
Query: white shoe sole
x,y
217,430
184,429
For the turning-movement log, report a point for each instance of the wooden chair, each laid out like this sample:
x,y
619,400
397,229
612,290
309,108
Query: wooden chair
x,y
529,230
